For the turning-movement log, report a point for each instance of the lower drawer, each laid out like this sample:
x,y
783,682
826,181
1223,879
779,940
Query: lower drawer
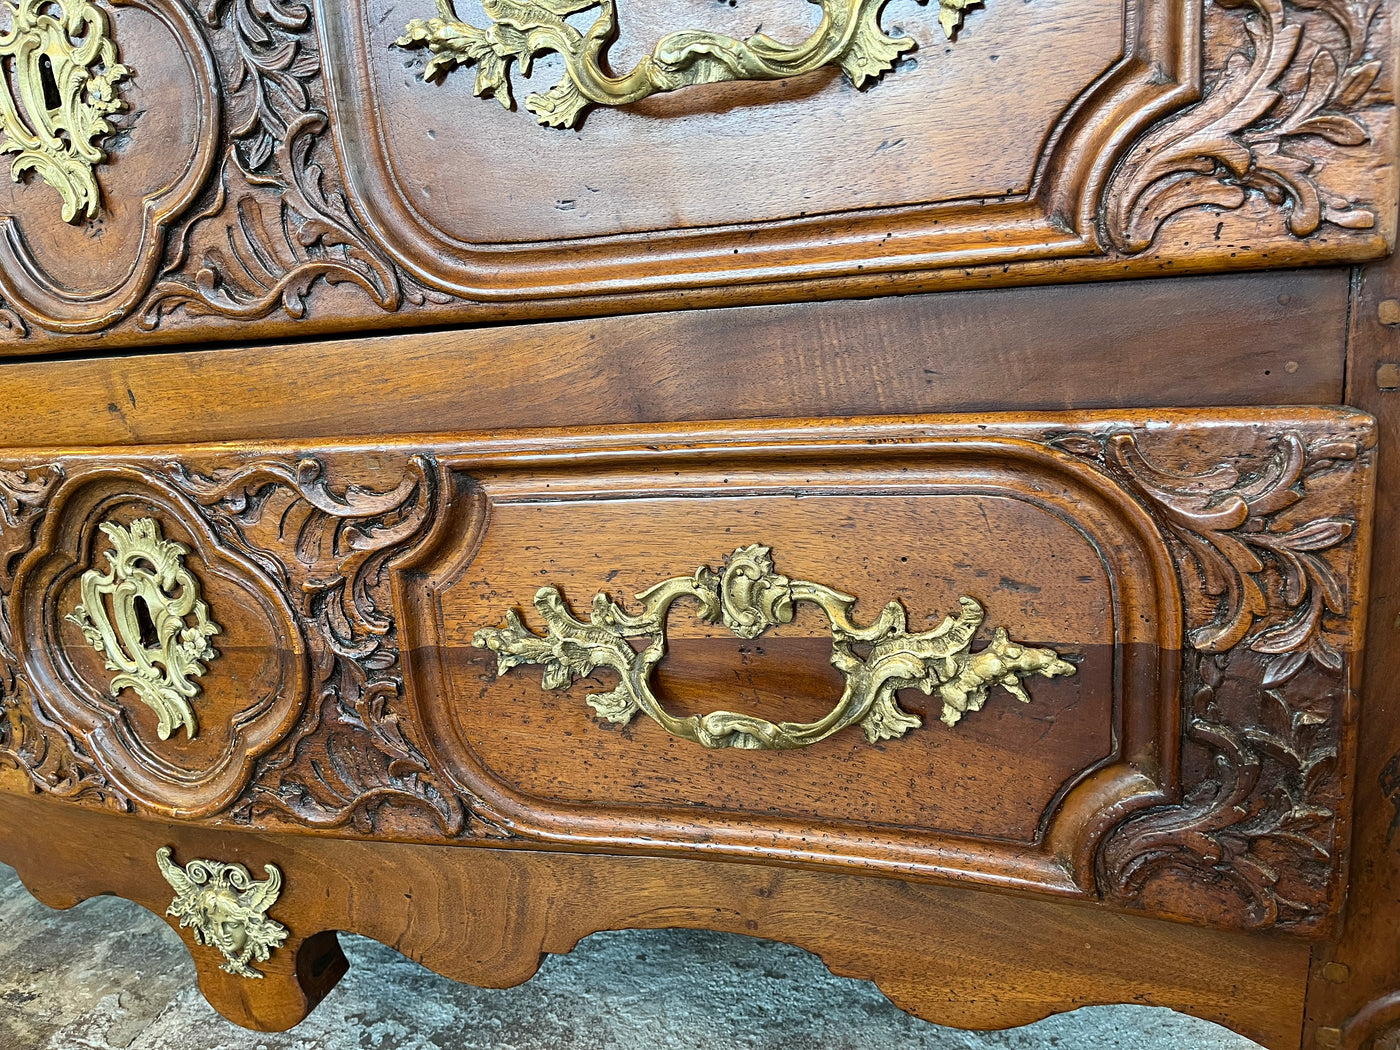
x,y
1100,656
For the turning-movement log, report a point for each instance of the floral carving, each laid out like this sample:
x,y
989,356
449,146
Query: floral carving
x,y
279,222
1262,822
327,551
1266,681
1303,76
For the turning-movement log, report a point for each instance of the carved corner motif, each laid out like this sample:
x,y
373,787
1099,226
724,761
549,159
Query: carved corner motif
x,y
1265,680
280,223
849,36
353,756
1300,76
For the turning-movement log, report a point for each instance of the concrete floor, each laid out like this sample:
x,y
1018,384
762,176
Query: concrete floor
x,y
109,974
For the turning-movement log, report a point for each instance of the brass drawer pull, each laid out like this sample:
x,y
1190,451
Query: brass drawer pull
x,y
748,597
849,35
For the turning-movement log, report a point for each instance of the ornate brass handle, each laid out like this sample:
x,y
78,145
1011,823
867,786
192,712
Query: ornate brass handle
x,y
748,597
849,36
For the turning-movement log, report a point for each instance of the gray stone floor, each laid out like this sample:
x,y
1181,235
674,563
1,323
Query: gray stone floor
x,y
109,974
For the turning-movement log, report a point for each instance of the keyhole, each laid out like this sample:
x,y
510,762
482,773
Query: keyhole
x,y
150,639
52,99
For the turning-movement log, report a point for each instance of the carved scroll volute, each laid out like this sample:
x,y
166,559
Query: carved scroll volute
x,y
1292,97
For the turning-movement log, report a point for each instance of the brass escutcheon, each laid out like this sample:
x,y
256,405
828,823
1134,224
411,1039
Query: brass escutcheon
x,y
138,615
58,86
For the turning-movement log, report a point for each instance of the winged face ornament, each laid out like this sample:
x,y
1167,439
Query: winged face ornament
x,y
226,909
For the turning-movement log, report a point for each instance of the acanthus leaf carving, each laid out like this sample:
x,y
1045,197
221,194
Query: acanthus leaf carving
x,y
260,251
352,753
1292,81
1265,679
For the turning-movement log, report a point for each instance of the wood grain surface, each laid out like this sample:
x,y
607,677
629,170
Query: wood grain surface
x,y
951,956
1241,339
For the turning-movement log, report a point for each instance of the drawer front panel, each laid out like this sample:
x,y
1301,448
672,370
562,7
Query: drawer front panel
x,y
1105,657
924,551
279,170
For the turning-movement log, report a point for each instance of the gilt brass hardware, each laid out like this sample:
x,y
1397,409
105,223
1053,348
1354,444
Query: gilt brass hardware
x,y
849,36
749,597
138,615
226,909
59,87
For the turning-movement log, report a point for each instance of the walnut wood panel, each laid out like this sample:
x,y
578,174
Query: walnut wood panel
x,y
1272,339
1035,536
1260,517
268,175
998,161
949,955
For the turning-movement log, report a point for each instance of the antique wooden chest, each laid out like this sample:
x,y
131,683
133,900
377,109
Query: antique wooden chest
x,y
913,481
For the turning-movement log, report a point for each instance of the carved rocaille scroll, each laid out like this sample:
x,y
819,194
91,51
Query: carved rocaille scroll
x,y
1266,524
1266,682
1276,149
353,754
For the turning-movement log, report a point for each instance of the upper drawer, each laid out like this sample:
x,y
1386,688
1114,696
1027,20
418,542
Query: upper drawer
x,y
234,166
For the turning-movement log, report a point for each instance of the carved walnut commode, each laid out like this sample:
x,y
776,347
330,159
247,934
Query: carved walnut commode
x,y
917,482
